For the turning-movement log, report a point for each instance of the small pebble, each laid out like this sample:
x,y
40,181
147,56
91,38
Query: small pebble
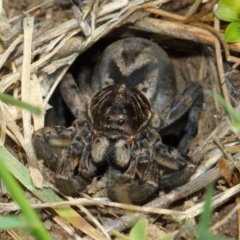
x,y
48,224
55,236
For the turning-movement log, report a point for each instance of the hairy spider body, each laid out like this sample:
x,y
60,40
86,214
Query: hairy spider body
x,y
118,128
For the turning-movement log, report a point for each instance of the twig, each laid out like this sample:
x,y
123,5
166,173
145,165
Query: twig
x,y
89,202
163,13
215,85
193,8
217,201
207,8
187,189
227,154
220,65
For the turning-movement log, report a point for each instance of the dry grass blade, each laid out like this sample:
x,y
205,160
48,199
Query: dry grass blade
x,y
36,99
112,6
54,86
14,235
6,54
92,219
83,24
13,127
87,9
217,201
37,6
220,64
92,202
66,226
193,8
26,90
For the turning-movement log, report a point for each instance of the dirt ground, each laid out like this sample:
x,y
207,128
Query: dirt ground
x,y
193,61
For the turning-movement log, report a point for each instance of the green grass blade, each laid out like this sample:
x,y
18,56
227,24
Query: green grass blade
x,y
11,100
217,237
231,111
169,236
205,218
235,115
35,225
11,222
139,231
120,236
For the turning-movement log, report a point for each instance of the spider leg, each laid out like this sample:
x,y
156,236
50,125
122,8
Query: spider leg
x,y
148,184
171,158
176,179
189,102
74,167
73,157
190,129
73,97
141,155
124,188
131,171
135,191
66,151
48,143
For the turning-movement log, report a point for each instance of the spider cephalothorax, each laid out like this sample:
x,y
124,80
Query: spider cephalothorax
x,y
119,128
119,111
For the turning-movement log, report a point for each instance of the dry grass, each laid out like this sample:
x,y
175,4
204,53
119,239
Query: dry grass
x,y
35,57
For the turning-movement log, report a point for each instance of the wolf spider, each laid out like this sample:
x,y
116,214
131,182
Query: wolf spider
x,y
118,128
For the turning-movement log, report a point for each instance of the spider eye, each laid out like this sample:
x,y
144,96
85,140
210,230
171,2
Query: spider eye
x,y
108,120
121,122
